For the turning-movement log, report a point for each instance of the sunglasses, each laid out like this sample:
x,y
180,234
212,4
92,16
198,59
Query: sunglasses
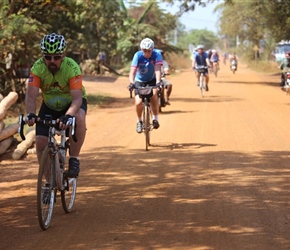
x,y
146,50
55,58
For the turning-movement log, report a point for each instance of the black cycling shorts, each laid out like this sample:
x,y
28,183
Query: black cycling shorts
x,y
143,84
44,110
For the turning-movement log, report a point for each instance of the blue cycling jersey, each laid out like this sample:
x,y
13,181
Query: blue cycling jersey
x,y
200,59
214,58
146,66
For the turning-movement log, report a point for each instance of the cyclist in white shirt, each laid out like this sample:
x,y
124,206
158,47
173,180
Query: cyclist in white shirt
x,y
166,84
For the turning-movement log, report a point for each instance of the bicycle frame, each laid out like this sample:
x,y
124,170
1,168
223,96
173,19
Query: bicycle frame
x,y
59,157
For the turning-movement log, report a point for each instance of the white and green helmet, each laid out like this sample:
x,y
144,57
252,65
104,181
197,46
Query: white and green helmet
x,y
53,44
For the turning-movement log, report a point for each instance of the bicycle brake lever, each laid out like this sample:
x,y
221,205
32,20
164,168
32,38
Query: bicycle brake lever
x,y
21,126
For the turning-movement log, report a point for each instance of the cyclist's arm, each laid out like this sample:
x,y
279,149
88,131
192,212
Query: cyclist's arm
x,y
132,74
193,63
158,72
77,99
30,99
75,85
166,68
32,93
207,61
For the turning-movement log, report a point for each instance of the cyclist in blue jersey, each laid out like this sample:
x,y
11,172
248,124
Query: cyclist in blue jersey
x,y
146,70
214,58
200,58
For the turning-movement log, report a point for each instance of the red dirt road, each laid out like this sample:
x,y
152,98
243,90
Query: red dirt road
x,y
217,175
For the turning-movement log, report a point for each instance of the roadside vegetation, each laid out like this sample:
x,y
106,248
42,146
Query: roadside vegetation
x,y
116,27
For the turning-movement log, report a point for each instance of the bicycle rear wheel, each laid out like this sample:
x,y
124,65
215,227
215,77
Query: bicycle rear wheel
x,y
146,116
45,191
68,194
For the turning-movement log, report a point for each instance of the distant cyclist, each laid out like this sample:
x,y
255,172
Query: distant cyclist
x,y
214,58
234,59
200,58
284,66
146,70
166,84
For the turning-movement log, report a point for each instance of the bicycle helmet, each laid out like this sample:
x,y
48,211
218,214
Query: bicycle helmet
x,y
147,43
53,44
200,46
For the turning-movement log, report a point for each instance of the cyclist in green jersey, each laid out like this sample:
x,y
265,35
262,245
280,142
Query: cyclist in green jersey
x,y
63,96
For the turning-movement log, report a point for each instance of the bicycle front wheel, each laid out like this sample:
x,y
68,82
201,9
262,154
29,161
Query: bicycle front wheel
x,y
45,191
202,85
146,115
68,194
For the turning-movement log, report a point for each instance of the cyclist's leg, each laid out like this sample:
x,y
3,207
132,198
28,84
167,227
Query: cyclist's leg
x,y
206,79
75,147
206,74
138,102
167,88
154,104
197,76
168,91
138,107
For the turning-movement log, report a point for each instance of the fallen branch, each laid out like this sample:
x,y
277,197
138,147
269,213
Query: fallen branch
x,y
7,102
5,144
23,146
9,131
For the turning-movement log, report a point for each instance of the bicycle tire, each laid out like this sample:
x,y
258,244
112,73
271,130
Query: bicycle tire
x,y
68,194
146,116
45,191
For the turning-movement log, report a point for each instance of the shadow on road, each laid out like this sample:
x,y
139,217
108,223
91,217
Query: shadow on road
x,y
157,200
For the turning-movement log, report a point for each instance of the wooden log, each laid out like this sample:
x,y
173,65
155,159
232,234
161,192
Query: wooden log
x,y
23,146
7,102
5,144
2,125
9,131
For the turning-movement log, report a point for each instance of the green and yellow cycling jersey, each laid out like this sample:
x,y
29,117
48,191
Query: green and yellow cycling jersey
x,y
56,87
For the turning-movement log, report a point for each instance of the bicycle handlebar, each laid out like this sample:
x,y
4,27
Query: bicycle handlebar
x,y
49,122
153,87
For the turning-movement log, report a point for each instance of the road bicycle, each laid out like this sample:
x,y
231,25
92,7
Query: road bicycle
x,y
145,93
52,173
201,83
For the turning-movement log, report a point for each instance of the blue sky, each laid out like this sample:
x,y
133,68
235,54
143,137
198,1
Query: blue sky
x,y
200,18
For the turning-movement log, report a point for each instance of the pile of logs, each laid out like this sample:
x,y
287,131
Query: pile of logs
x,y
7,133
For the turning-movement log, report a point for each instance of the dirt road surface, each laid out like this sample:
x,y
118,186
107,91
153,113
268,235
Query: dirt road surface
x,y
217,175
